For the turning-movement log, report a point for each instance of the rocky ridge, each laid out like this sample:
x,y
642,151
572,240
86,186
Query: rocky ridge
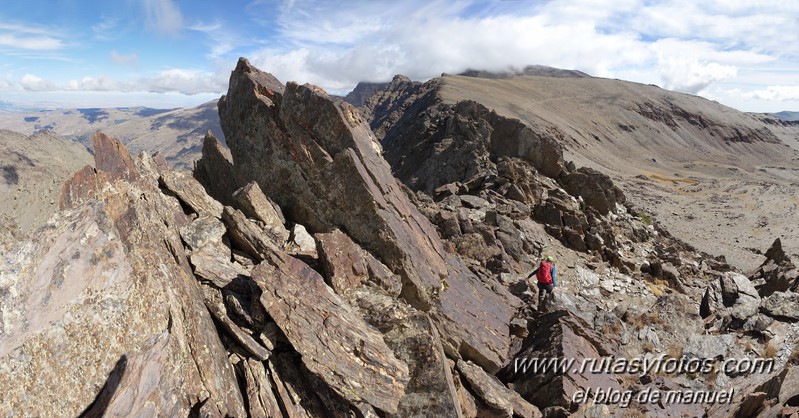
x,y
298,277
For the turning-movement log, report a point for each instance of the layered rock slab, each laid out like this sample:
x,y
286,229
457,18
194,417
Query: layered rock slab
x,y
318,160
371,288
558,334
335,343
96,277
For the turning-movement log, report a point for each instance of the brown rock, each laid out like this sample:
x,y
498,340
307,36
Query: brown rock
x,y
336,345
213,300
251,200
558,334
247,235
416,342
319,162
346,265
191,192
215,171
212,263
260,396
495,394
112,272
467,401
81,187
112,160
201,231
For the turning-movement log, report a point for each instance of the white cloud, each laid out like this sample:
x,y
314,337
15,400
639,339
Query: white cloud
x,y
31,37
689,75
130,60
101,83
32,83
184,81
775,93
679,44
162,16
175,80
221,39
105,30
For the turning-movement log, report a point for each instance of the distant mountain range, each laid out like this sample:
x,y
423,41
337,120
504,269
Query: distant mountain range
x,y
789,116
176,133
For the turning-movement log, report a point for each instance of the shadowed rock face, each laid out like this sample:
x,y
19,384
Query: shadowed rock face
x,y
320,162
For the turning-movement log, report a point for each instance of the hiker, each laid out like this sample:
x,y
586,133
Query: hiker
x,y
545,273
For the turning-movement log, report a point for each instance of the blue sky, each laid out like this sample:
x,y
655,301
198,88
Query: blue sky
x,y
170,53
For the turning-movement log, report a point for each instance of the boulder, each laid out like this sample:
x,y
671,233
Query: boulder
x,y
347,265
246,235
301,242
781,305
214,170
708,346
558,335
336,345
596,188
473,202
252,202
415,341
732,294
317,159
201,231
212,263
777,273
495,394
191,193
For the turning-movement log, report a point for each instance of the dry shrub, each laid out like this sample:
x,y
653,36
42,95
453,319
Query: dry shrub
x,y
770,351
794,358
651,318
675,351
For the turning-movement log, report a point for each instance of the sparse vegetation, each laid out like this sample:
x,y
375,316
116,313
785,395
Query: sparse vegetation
x,y
675,351
644,217
770,351
794,358
673,180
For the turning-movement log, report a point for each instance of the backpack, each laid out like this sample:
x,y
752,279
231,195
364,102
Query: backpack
x,y
544,273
